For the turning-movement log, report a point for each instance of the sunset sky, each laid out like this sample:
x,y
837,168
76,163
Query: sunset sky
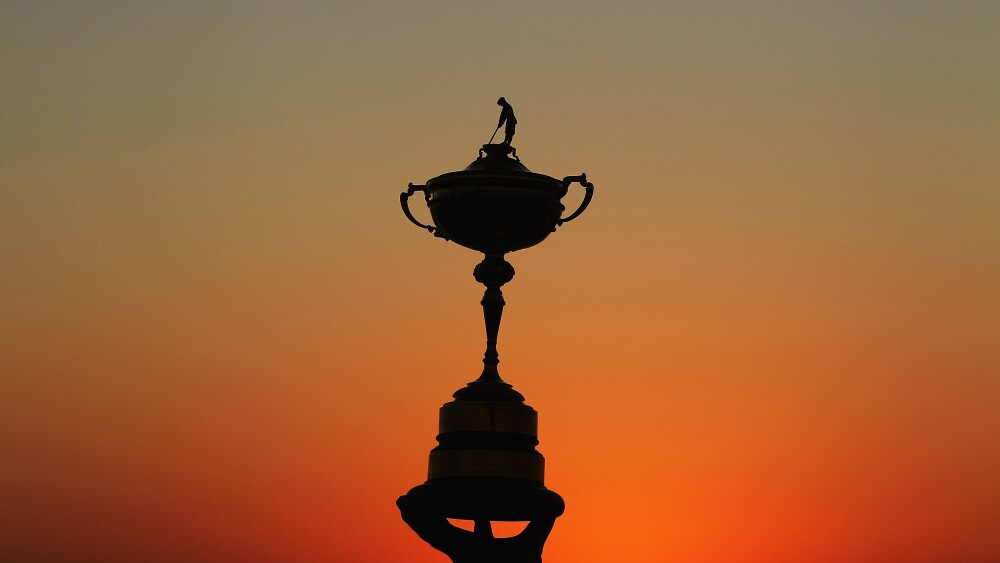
x,y
774,336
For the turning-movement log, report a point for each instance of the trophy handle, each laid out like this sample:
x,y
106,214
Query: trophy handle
x,y
582,180
403,197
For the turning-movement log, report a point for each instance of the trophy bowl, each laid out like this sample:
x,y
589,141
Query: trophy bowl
x,y
496,205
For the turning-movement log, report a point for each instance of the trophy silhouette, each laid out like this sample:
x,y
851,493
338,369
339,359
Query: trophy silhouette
x,y
485,466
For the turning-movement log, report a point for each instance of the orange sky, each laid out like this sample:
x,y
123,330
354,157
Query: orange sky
x,y
773,336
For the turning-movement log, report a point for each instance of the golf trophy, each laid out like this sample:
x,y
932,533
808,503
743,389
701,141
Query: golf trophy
x,y
485,466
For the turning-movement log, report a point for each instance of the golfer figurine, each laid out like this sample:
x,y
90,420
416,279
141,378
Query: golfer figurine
x,y
506,116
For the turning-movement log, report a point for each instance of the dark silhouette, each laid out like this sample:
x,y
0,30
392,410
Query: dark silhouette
x,y
478,546
506,116
485,466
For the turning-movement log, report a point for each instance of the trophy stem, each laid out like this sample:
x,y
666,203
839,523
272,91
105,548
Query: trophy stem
x,y
492,272
492,311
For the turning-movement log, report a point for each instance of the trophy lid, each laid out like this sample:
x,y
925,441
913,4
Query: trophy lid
x,y
497,158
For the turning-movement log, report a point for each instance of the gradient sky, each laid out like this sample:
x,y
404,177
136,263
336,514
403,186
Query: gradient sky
x,y
774,336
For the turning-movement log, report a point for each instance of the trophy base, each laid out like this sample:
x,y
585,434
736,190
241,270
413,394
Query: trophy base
x,y
496,498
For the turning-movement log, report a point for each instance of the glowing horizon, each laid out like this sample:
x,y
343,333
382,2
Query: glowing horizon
x,y
772,337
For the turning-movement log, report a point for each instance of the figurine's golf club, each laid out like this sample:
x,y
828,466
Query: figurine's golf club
x,y
494,135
